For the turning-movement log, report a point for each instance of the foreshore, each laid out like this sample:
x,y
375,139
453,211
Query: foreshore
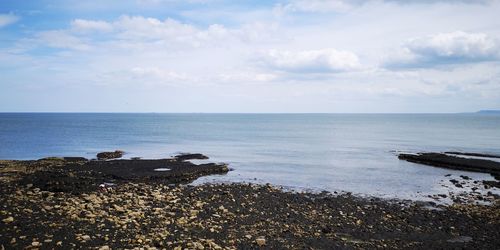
x,y
72,203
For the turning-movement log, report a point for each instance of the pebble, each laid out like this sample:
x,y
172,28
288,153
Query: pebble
x,y
8,219
35,243
261,241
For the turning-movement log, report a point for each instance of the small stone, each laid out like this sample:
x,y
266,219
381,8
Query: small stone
x,y
199,204
59,243
198,246
460,239
118,208
261,241
85,237
13,241
35,243
215,246
104,248
8,219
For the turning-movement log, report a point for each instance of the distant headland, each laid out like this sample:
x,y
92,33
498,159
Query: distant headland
x,y
488,112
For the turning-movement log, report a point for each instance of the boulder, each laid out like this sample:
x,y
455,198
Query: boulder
x,y
110,155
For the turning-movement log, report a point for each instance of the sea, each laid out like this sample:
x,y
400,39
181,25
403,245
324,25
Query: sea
x,y
354,153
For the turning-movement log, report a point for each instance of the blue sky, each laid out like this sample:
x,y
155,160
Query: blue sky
x,y
249,56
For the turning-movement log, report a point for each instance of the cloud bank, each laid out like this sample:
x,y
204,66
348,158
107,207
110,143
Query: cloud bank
x,y
447,48
326,6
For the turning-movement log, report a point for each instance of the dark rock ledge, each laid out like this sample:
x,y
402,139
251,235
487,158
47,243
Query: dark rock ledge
x,y
445,160
472,154
80,175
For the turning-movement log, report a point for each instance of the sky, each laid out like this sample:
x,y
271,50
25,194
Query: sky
x,y
319,56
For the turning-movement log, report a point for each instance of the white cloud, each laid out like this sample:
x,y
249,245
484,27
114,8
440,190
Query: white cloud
x,y
324,6
316,6
61,39
138,27
7,19
456,45
153,2
139,32
439,1
91,25
312,61
155,73
246,77
446,48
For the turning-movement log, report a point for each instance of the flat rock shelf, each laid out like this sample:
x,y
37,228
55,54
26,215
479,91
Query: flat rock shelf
x,y
451,160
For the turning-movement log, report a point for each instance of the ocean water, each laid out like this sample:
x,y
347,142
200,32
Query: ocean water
x,y
333,152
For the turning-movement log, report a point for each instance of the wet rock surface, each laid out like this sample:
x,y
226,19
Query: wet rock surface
x,y
454,162
188,156
79,175
472,154
145,210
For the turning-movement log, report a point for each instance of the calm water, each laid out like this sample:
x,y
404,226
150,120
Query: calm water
x,y
350,152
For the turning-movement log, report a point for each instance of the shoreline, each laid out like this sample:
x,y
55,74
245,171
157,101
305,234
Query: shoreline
x,y
158,210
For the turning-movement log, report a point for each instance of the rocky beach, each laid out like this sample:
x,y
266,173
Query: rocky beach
x,y
75,203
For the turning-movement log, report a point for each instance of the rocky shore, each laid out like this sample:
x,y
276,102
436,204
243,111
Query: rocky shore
x,y
74,203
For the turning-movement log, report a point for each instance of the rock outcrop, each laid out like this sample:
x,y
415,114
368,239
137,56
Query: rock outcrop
x,y
110,155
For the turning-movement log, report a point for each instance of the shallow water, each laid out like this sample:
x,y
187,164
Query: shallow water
x,y
333,152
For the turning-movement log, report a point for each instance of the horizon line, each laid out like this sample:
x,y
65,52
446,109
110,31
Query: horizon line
x,y
153,112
